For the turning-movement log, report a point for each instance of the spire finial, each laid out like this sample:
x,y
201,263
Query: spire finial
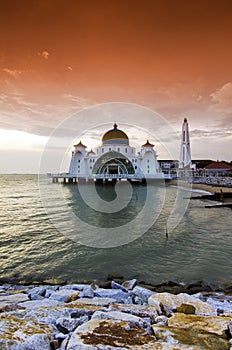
x,y
185,120
115,125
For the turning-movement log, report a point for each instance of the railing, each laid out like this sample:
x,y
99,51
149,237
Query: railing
x,y
212,180
114,176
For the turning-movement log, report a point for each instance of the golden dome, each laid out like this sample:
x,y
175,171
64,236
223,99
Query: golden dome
x,y
115,136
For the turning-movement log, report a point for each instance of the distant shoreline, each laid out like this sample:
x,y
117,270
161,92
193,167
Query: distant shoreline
x,y
204,187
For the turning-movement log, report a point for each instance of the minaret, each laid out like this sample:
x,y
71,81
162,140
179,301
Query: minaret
x,y
185,152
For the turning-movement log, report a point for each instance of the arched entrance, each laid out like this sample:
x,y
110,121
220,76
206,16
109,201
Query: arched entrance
x,y
113,164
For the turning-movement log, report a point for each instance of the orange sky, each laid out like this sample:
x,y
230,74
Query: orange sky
x,y
174,56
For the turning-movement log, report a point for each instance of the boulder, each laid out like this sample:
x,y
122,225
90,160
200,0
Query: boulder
x,y
161,320
17,298
88,292
222,306
68,324
121,316
36,304
34,342
64,295
110,334
191,339
143,294
175,301
115,285
36,293
229,329
97,301
129,285
202,332
197,287
137,310
117,294
77,310
24,333
78,287
211,324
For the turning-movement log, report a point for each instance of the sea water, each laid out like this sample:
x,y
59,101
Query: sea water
x,y
39,241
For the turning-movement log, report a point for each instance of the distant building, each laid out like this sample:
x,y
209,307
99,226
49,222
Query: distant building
x,y
168,164
218,169
201,163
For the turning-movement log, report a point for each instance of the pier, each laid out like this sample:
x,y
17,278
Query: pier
x,y
67,178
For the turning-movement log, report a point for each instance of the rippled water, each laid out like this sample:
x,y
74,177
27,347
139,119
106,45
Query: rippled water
x,y
32,248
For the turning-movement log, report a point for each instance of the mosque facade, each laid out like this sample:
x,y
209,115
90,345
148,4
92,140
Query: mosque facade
x,y
115,159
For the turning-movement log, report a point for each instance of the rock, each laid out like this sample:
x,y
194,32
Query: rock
x,y
129,285
161,320
117,294
68,324
48,315
24,333
35,304
12,299
229,329
62,320
115,285
137,310
64,295
175,301
64,344
77,310
166,310
186,309
201,332
36,293
78,287
10,308
88,292
110,334
143,294
37,342
169,286
227,288
211,324
191,339
199,286
121,316
97,301
222,306
49,292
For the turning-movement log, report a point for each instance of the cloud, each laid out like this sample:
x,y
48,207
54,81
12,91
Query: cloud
x,y
214,133
44,54
222,97
81,101
13,72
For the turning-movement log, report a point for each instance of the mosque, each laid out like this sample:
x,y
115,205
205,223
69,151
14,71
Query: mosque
x,y
114,159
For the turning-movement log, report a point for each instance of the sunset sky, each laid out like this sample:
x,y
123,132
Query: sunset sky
x,y
58,56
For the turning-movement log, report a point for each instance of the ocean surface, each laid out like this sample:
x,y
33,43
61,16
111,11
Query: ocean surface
x,y
154,233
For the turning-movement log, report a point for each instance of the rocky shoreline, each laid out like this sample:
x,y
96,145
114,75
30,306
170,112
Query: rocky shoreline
x,y
115,314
